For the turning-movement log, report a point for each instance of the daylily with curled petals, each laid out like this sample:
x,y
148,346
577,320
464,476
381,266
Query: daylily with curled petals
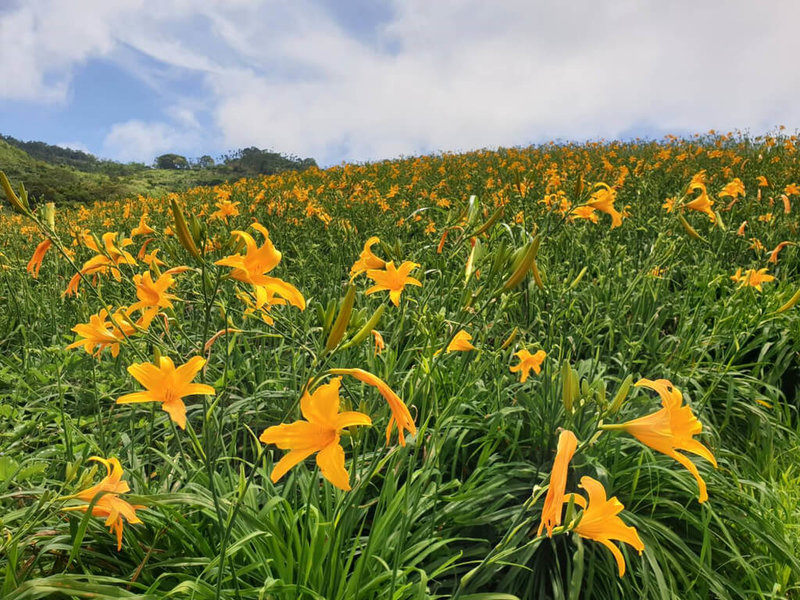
x,y
528,361
225,209
460,343
393,279
773,256
367,260
153,295
111,483
670,429
35,262
584,212
701,203
602,199
262,304
253,266
400,414
105,261
733,189
142,228
151,258
554,500
599,521
319,433
101,332
168,385
110,506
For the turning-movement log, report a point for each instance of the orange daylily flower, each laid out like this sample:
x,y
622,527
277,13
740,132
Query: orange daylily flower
x,y
253,266
153,295
792,189
554,500
393,279
166,384
670,429
460,343
367,259
528,361
602,199
261,303
319,433
101,332
400,415
151,258
584,212
109,505
755,278
762,181
225,209
599,521
107,260
142,228
703,202
733,189
740,231
35,262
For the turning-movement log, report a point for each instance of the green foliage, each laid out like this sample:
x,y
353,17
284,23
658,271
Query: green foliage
x,y
62,175
455,512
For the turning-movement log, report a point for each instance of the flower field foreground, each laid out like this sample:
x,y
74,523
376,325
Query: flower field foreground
x,y
567,371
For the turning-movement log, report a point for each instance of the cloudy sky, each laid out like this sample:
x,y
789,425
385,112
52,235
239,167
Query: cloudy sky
x,y
369,79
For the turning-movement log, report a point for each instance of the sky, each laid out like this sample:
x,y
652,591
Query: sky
x,y
365,80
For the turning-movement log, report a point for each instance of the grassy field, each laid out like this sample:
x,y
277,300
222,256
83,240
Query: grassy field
x,y
610,322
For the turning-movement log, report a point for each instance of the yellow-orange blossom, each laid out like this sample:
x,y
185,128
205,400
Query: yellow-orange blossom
x,y
318,433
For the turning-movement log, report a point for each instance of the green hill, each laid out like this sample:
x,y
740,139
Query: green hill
x,y
55,174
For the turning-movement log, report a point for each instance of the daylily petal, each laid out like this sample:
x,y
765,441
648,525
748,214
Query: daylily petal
x,y
331,463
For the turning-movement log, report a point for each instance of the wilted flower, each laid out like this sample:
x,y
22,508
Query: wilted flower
x,y
379,343
773,256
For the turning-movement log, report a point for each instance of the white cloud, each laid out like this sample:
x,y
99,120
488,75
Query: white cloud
x,y
142,141
450,74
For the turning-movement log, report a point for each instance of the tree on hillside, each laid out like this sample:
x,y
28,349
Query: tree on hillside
x,y
205,162
172,161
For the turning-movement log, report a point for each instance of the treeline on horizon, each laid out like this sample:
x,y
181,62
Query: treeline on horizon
x,y
55,174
